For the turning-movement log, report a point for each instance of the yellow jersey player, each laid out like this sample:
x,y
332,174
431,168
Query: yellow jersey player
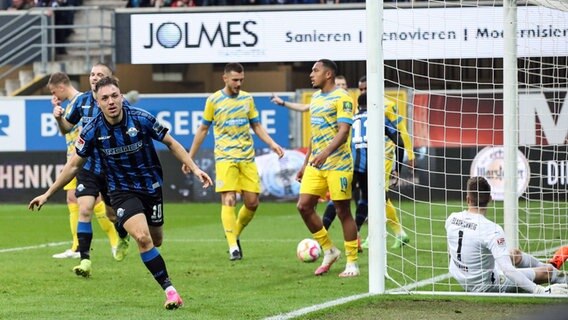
x,y
391,113
329,166
232,113
61,90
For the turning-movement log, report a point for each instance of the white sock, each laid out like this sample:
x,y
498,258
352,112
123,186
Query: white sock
x,y
170,288
233,248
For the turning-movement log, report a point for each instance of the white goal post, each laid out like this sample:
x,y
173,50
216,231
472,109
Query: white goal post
x,y
487,88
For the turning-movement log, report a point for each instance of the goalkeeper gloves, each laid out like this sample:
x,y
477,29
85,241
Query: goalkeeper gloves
x,y
557,288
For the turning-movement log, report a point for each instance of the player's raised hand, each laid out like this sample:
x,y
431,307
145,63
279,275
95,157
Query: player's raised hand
x,y
58,111
38,202
277,100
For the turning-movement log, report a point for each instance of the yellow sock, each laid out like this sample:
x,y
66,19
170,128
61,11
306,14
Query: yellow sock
x,y
323,239
245,216
229,224
73,220
106,225
392,219
351,250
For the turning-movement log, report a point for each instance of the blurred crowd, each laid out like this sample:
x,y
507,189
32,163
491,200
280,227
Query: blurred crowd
x,y
60,17
196,3
27,4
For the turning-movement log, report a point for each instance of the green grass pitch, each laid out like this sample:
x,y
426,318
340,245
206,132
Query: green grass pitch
x,y
268,281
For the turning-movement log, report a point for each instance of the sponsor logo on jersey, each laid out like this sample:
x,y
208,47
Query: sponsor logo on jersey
x,y
236,122
131,148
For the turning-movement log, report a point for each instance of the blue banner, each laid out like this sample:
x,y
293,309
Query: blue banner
x,y
182,114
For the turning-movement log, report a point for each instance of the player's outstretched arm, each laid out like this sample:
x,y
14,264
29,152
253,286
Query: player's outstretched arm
x,y
264,136
195,145
179,152
290,105
69,171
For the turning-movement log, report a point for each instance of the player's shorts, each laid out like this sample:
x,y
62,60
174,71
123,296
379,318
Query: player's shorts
x,y
126,204
500,283
90,184
318,182
72,185
237,176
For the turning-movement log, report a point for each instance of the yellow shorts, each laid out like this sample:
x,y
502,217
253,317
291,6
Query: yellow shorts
x,y
237,176
72,185
317,182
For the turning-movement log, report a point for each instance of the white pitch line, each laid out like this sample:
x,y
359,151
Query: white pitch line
x,y
39,246
317,307
340,301
56,244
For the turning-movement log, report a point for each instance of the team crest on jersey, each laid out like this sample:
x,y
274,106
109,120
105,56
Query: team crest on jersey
x,y
79,144
347,106
132,132
80,187
120,212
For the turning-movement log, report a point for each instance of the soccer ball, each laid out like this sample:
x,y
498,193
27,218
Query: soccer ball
x,y
308,250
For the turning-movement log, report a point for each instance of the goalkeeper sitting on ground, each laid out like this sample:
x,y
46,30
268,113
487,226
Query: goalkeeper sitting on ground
x,y
479,258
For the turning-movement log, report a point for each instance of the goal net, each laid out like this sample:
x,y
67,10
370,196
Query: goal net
x,y
449,59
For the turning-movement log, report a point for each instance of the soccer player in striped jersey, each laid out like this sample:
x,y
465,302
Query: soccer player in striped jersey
x,y
124,138
391,113
91,181
479,258
232,113
360,164
329,166
62,90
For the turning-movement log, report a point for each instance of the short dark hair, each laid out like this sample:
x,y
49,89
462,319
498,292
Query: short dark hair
x,y
106,81
330,65
479,191
234,66
363,79
59,78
